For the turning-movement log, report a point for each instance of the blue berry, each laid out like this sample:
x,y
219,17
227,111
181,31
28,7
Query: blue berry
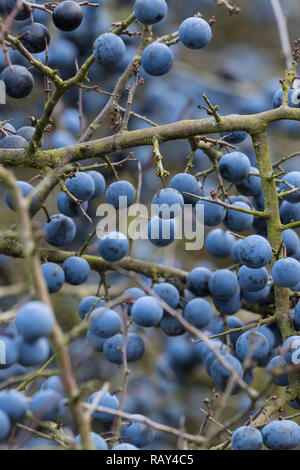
x,y
150,11
259,226
11,330
98,441
109,49
211,356
46,405
2,7
99,182
268,333
258,202
62,138
185,183
228,306
18,81
202,349
214,214
137,433
258,297
14,370
238,221
60,230
239,198
296,317
54,276
234,166
67,16
235,252
54,383
277,370
294,404
32,354
252,345
194,33
251,185
223,284
168,293
13,142
296,287
167,203
289,212
157,59
296,255
161,232
70,120
171,326
40,443
147,311
295,428
120,189
124,446
87,303
231,323
68,207
81,185
180,353
286,272
278,435
252,279
4,426
104,322
14,404
134,293
22,14
35,37
76,270
34,320
255,252
293,178
95,342
198,312
197,281
246,438
62,56
221,375
219,243
234,137
135,348
26,190
9,130
291,241
107,400
26,132
113,246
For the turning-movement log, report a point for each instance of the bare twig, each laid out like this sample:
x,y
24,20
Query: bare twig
x,y
283,32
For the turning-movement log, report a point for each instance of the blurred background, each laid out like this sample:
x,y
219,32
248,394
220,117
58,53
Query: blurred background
x,y
239,70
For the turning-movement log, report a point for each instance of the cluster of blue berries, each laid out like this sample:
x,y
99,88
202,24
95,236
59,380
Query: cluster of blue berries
x,y
207,300
35,37
109,49
277,435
